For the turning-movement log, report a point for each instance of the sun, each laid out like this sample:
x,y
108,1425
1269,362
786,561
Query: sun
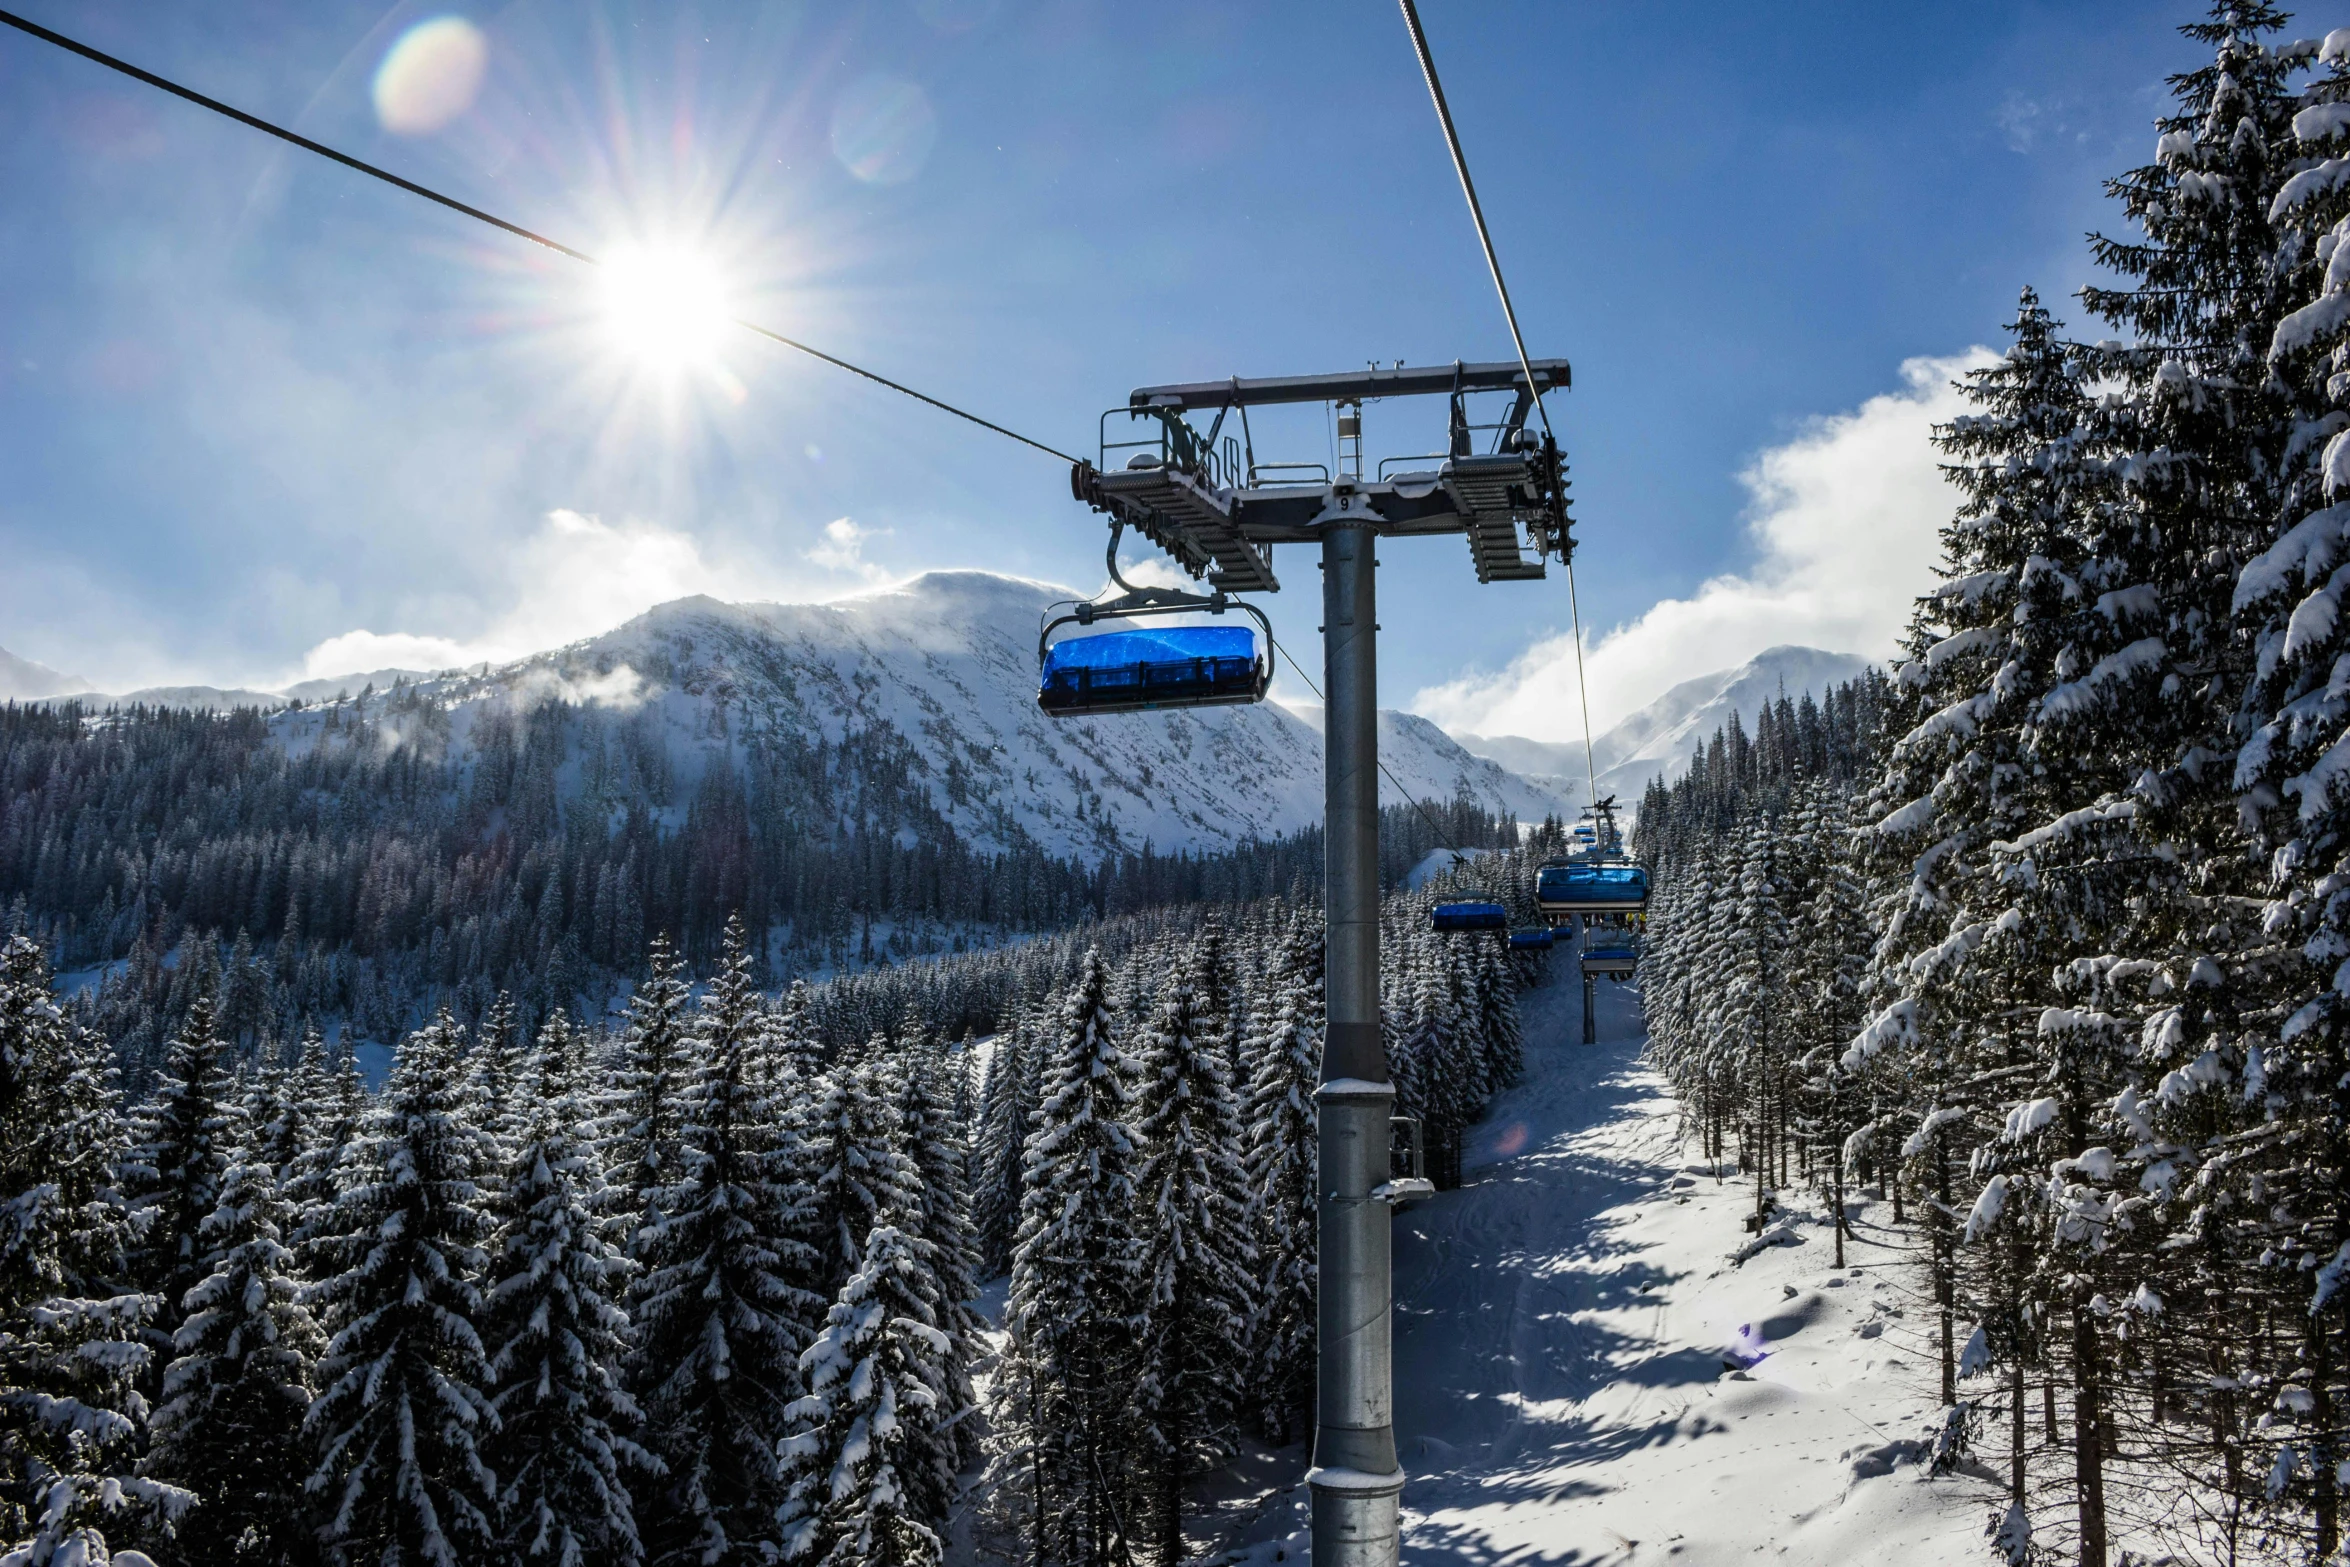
x,y
664,306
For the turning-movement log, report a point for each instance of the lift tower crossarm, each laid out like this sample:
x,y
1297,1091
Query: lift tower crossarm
x,y
1351,386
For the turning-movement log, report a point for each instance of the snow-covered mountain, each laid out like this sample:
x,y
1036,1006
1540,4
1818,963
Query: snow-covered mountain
x,y
1660,736
22,680
948,660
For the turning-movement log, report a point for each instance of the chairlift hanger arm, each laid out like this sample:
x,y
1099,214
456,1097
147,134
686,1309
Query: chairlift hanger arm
x,y
1351,385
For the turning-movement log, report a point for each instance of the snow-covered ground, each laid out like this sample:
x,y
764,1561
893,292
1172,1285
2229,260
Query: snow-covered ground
x,y
1567,1330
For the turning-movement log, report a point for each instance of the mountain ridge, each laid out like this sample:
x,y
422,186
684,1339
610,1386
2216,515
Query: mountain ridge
x,y
1657,738
947,659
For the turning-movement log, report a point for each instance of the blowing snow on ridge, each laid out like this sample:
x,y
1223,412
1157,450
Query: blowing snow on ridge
x,y
948,659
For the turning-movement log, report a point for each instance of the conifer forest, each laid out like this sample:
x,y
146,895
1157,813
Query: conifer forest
x,y
2060,969
764,1173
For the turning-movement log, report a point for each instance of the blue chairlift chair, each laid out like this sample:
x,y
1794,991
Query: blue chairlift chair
x,y
1469,914
1152,667
1565,888
1536,939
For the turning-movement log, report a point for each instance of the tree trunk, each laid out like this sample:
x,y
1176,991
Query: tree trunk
x,y
1945,1269
1836,1177
2088,1422
2015,1428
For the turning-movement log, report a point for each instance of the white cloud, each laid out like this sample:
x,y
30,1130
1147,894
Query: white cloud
x,y
575,577
1845,521
843,549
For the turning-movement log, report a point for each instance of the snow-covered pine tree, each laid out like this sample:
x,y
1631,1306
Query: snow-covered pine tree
x,y
1064,1388
1285,1067
2002,662
403,1407
2289,781
334,1101
494,1079
856,1164
2212,445
1501,1035
71,1347
722,1310
866,1465
1192,1192
796,1041
643,1122
183,1140
943,1222
1751,1003
1009,1099
565,1446
229,1427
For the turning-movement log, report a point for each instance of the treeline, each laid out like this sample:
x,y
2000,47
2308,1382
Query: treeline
x,y
698,1287
2072,979
351,864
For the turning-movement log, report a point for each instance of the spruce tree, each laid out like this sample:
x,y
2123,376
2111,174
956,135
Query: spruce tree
x,y
183,1140
564,1449
1009,1099
645,1120
723,1308
866,1467
1192,1192
1076,1292
229,1428
1285,1063
403,1406
71,1347
943,1223
857,1167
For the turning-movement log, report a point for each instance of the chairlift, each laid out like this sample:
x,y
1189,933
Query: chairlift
x,y
1566,888
1617,960
1468,914
1536,938
1152,667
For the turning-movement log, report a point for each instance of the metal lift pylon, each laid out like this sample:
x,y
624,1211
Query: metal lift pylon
x,y
1216,510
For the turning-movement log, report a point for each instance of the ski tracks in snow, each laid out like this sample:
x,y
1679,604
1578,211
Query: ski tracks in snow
x,y
1568,1330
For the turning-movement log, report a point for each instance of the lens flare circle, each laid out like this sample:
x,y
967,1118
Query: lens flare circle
x,y
664,306
430,75
883,129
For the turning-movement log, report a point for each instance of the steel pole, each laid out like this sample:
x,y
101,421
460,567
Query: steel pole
x,y
1355,1480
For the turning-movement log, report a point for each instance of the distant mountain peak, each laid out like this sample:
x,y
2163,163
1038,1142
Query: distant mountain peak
x,y
22,680
1659,737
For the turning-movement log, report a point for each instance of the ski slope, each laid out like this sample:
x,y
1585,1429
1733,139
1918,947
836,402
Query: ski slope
x,y
1566,1326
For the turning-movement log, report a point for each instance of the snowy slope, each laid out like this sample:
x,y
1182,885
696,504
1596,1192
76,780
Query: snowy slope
x,y
22,680
949,661
1566,1324
1658,738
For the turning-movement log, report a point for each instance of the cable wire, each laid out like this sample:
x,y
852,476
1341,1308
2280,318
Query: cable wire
x,y
165,84
1460,856
1460,165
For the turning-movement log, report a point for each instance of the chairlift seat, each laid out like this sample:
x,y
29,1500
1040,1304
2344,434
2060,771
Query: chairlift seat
x,y
1152,667
1469,914
1539,939
1590,887
1611,960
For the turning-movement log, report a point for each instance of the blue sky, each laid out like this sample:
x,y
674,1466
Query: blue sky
x,y
251,403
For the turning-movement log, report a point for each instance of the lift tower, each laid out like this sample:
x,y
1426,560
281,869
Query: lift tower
x,y
1206,500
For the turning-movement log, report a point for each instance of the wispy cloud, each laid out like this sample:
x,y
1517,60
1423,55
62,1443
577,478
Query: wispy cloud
x,y
843,550
1845,520
576,576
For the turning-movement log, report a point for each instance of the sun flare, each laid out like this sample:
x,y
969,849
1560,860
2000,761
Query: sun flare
x,y
664,306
